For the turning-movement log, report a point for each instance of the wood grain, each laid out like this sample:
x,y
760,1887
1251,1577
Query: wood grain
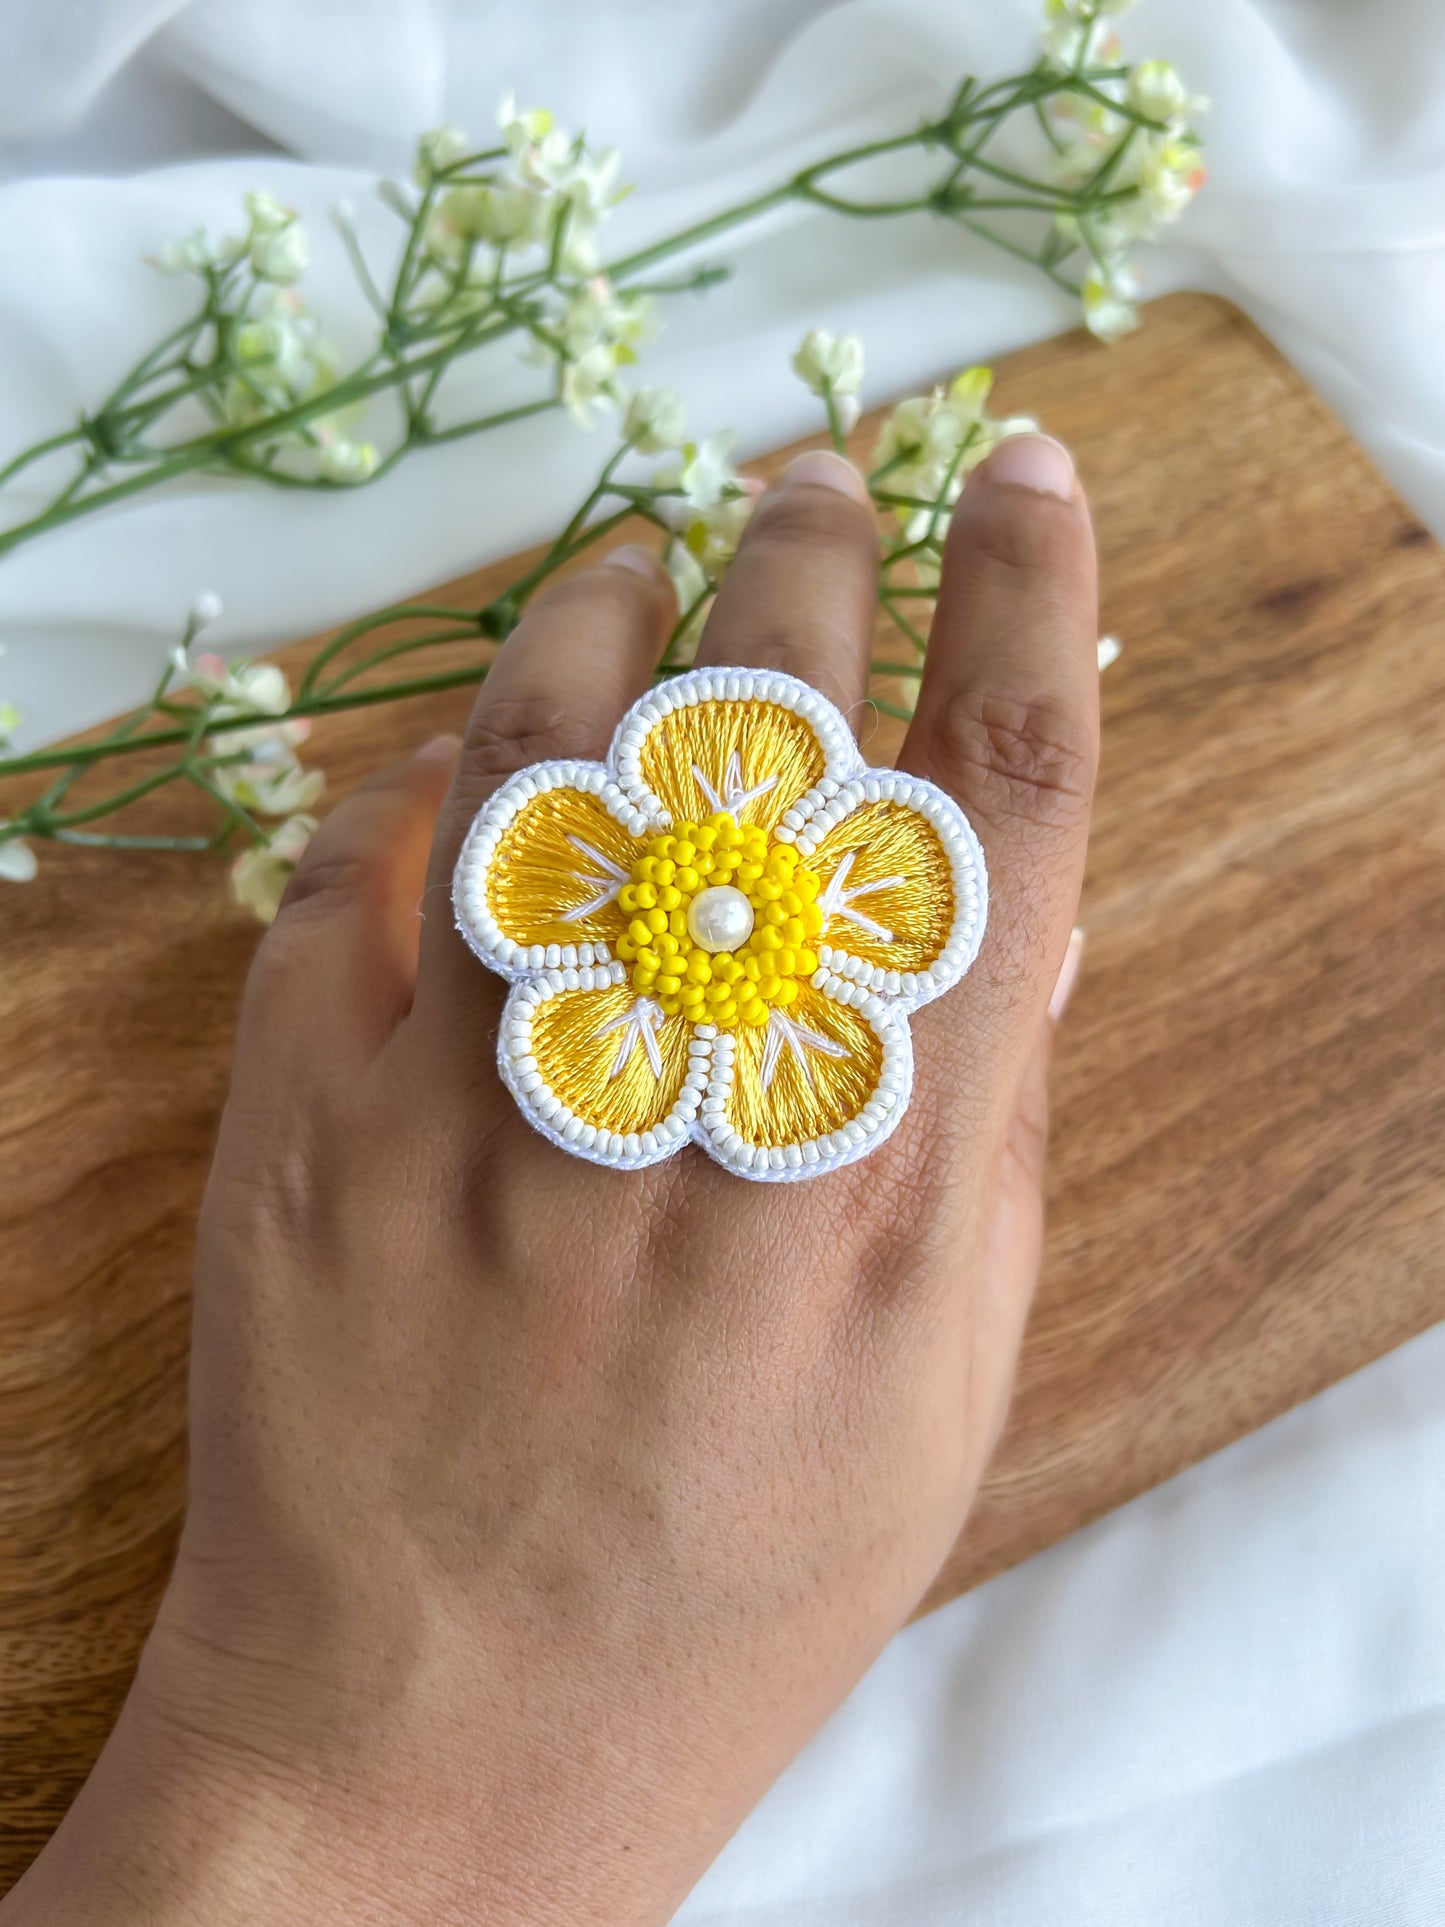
x,y
1250,1090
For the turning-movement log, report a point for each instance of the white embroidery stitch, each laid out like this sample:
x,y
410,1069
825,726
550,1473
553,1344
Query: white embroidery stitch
x,y
734,797
638,1026
608,868
783,1030
838,902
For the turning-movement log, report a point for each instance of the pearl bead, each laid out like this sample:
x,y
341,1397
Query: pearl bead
x,y
720,918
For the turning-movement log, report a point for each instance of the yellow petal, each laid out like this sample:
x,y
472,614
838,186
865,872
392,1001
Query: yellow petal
x,y
752,742
579,1063
821,1084
542,866
904,891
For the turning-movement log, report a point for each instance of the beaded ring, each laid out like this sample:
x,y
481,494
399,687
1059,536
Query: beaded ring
x,y
717,935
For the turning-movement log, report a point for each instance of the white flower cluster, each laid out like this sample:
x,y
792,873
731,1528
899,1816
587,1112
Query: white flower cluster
x,y
1134,131
831,366
17,859
550,195
928,447
259,769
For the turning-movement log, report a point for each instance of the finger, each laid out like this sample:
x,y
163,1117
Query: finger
x,y
1008,719
336,971
583,652
801,594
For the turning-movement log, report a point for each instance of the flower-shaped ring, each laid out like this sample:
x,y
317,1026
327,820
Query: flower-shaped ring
x,y
718,934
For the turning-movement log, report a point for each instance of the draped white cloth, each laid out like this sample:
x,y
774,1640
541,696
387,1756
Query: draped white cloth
x,y
1227,1703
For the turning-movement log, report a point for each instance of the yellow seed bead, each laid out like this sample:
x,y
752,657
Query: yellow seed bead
x,y
726,1013
812,919
668,985
668,898
627,898
646,894
787,991
643,979
768,938
646,870
692,995
626,948
807,962
725,861
769,890
684,850
749,871
662,846
787,961
755,1012
767,967
699,967
677,923
655,920
685,876
806,884
729,836
663,869
791,902
670,1004
727,967
665,944
776,915
752,968
795,931
640,932
778,869
705,837
718,993
649,960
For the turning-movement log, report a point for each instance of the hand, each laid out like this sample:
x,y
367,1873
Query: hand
x,y
541,1512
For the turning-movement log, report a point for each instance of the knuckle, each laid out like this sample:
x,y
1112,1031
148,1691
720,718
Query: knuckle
x,y
1014,758
319,885
516,731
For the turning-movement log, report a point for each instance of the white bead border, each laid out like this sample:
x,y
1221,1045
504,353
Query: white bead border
x,y
878,1119
545,1111
822,810
841,757
469,885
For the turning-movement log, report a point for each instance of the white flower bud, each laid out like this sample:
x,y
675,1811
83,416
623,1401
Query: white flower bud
x,y
656,420
1109,310
346,461
829,364
260,875
279,254
206,609
442,147
17,859
267,214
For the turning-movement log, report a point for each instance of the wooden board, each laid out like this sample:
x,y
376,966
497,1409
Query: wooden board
x,y
1246,1200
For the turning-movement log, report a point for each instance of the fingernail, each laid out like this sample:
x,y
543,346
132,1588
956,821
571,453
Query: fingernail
x,y
1034,462
633,556
822,468
441,749
1068,975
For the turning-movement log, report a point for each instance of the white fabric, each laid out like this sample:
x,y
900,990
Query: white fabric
x,y
1223,1705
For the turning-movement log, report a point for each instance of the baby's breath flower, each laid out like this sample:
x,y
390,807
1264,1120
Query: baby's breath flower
x,y
703,475
234,688
501,213
259,875
262,772
17,859
9,723
1109,307
439,149
341,460
829,364
1156,89
279,254
656,420
206,609
1110,650
193,254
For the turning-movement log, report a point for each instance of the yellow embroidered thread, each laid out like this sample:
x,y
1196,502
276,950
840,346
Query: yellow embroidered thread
x,y
721,987
601,1070
810,1092
898,880
779,758
561,853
